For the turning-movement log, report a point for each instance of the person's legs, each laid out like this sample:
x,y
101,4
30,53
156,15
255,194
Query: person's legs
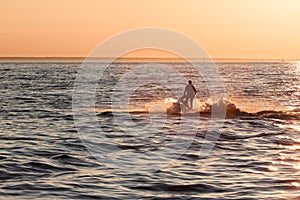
x,y
191,102
185,101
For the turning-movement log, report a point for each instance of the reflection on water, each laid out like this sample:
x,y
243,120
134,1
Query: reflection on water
x,y
256,156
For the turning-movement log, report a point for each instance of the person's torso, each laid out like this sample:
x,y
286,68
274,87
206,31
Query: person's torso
x,y
190,90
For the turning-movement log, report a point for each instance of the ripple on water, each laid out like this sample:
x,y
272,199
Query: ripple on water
x,y
42,156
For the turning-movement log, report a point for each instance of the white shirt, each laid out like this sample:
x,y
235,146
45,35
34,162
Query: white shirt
x,y
189,91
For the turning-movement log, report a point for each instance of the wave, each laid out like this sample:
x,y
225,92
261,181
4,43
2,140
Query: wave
x,y
203,188
174,107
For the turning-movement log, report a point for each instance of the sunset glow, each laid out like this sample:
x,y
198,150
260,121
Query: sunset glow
x,y
267,29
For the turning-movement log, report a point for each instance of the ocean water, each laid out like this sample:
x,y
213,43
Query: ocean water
x,y
122,145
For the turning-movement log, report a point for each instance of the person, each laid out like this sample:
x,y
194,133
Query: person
x,y
189,93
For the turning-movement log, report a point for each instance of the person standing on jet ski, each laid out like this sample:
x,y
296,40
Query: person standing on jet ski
x,y
189,93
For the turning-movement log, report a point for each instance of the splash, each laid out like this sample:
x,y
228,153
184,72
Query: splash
x,y
167,105
172,106
218,104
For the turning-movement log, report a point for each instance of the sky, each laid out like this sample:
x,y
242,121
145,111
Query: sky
x,y
225,28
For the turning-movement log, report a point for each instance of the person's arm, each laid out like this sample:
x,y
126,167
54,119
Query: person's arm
x,y
185,91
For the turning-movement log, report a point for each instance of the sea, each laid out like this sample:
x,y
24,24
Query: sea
x,y
72,130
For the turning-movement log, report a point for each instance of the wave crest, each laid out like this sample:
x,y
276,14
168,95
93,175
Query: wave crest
x,y
175,107
171,106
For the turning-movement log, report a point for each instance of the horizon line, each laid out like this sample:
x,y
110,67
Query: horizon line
x,y
124,59
213,58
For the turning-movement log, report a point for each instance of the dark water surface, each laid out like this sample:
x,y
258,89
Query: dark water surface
x,y
42,156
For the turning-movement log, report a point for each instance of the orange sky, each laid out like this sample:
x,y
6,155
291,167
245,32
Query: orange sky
x,y
225,28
